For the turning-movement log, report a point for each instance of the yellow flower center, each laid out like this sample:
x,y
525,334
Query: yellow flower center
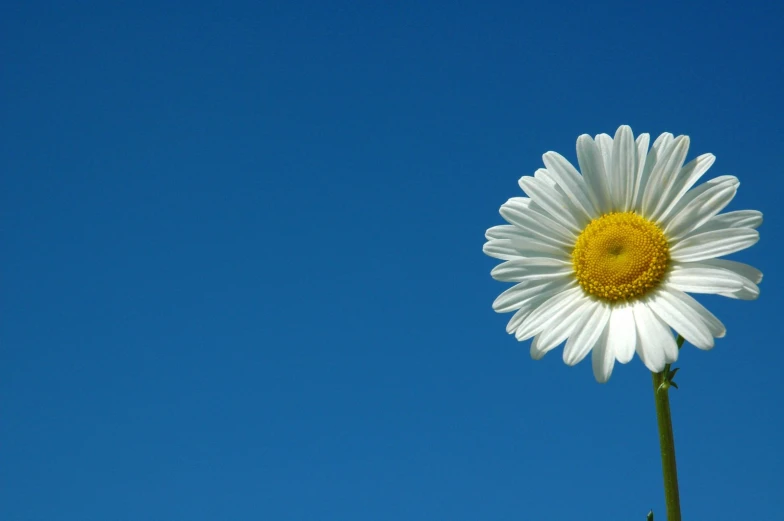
x,y
620,256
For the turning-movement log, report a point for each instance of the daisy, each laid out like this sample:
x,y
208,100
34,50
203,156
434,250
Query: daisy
x,y
604,260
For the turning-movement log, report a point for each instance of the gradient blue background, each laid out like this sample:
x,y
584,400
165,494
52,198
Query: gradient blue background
x,y
242,274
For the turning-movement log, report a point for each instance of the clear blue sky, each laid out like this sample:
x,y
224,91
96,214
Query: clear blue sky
x,y
242,269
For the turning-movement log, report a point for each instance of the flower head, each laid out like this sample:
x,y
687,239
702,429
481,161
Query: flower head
x,y
604,259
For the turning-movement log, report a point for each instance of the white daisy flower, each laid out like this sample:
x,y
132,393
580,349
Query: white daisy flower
x,y
604,260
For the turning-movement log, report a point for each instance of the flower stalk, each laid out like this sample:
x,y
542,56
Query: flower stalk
x,y
661,387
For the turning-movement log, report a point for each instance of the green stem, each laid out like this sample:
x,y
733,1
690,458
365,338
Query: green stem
x,y
661,390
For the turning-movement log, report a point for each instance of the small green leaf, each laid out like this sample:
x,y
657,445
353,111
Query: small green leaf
x,y
650,516
671,376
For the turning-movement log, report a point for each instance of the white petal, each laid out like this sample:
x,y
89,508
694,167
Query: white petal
x,y
522,203
591,164
689,174
571,182
664,140
535,267
508,249
714,325
605,144
602,357
736,219
743,294
525,241
541,227
556,205
744,270
557,329
692,194
537,350
748,275
681,317
516,296
622,332
700,210
586,332
544,176
663,176
503,231
699,277
651,159
641,178
624,168
566,301
577,214
500,249
523,313
528,207
713,244
656,346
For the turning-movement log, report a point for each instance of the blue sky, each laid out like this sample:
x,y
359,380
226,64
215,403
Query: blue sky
x,y
242,274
